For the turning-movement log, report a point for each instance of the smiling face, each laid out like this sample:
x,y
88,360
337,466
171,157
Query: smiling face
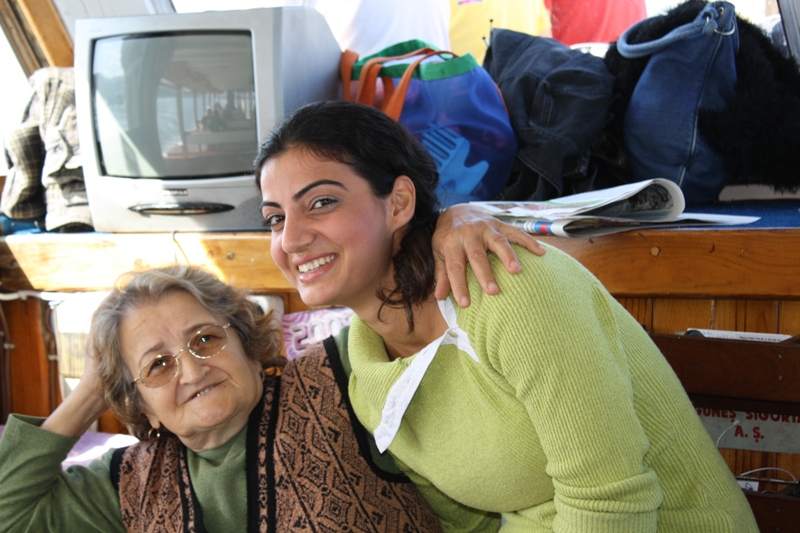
x,y
331,236
209,400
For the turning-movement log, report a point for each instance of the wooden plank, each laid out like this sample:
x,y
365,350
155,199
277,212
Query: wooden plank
x,y
641,309
93,261
765,375
49,31
734,264
693,263
29,367
789,321
28,52
672,315
775,512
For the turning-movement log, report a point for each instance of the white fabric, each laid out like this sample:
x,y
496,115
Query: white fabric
x,y
403,390
364,26
368,26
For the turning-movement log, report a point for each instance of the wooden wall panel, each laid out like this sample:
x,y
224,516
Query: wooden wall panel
x,y
674,315
29,367
763,316
641,309
789,318
760,316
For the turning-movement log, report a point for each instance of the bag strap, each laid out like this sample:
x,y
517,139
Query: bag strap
x,y
371,69
346,63
393,107
715,18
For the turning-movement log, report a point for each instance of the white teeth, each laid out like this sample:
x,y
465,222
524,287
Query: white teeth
x,y
315,264
204,391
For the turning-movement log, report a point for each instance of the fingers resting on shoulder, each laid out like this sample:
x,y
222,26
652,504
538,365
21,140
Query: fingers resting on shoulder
x,y
466,234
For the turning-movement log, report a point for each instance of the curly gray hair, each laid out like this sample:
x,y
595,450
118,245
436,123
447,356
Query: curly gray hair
x,y
258,333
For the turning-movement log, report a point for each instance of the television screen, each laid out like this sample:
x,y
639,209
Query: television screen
x,y
172,108
790,15
193,113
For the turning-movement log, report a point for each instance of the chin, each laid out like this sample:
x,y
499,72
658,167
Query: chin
x,y
315,297
315,301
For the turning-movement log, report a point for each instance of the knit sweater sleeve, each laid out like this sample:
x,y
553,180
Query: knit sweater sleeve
x,y
559,341
37,495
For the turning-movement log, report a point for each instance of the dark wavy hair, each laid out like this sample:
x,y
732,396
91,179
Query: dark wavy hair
x,y
379,150
257,331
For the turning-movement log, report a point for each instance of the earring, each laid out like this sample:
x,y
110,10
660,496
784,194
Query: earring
x,y
150,434
271,372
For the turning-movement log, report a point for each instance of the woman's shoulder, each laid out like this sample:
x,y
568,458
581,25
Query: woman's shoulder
x,y
554,268
547,285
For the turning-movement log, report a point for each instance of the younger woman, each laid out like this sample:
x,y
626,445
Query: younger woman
x,y
546,404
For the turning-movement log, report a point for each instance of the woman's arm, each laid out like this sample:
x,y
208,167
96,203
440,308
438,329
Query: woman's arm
x,y
464,234
37,495
564,352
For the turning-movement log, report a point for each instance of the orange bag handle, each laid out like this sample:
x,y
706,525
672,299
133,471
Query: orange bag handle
x,y
369,75
393,107
346,63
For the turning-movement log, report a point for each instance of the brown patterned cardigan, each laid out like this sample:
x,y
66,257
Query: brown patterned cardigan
x,y
308,466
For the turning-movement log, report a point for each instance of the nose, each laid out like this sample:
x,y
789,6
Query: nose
x,y
190,369
295,236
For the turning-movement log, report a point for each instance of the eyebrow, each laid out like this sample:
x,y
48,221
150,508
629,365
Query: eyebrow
x,y
304,190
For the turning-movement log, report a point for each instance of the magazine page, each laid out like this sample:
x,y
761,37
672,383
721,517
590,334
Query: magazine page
x,y
588,226
655,199
655,203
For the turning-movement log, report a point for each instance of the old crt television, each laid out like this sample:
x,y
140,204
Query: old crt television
x,y
790,16
172,108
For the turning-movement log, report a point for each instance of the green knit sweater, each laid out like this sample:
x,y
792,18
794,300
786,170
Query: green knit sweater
x,y
36,495
572,420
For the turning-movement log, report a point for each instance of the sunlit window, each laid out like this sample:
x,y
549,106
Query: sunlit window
x,y
15,92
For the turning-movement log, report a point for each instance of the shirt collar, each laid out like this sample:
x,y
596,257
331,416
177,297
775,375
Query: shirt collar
x,y
401,393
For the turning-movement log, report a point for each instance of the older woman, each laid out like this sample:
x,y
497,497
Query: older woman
x,y
229,442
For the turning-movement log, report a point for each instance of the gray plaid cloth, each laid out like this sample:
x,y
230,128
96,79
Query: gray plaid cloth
x,y
45,178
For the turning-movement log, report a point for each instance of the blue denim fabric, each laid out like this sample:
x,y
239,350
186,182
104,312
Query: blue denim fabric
x,y
558,100
691,68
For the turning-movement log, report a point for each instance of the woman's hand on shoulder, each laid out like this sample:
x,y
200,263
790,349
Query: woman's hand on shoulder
x,y
465,234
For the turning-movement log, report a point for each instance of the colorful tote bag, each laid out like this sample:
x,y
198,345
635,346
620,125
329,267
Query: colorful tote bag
x,y
450,103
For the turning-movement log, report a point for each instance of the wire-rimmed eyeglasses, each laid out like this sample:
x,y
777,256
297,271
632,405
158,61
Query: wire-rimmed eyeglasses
x,y
206,343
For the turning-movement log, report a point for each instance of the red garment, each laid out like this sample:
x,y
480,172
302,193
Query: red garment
x,y
603,21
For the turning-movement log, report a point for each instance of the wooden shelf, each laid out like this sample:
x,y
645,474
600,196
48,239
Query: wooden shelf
x,y
752,264
92,261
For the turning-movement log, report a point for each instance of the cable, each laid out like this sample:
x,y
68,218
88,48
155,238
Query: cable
x,y
23,295
794,479
8,296
735,423
178,247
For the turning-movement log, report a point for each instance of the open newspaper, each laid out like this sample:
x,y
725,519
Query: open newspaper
x,y
645,204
